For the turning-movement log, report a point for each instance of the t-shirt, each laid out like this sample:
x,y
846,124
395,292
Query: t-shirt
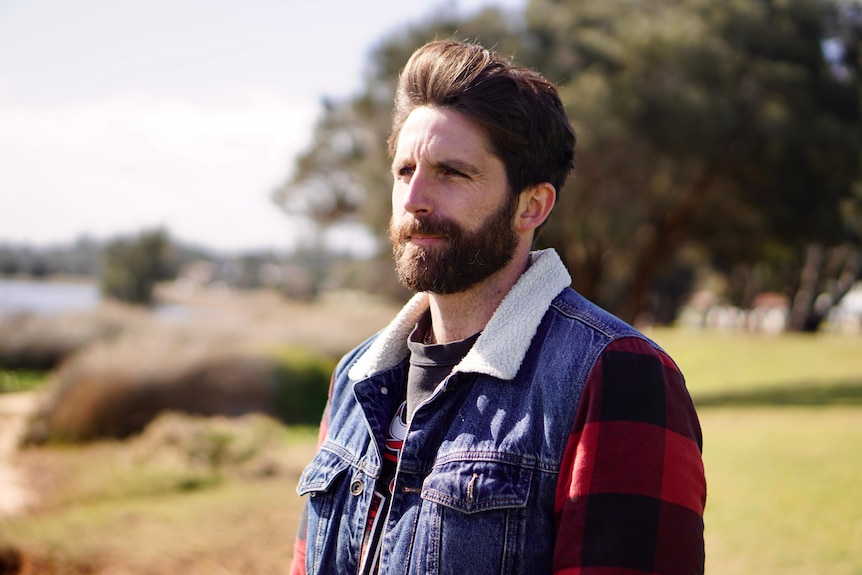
x,y
429,365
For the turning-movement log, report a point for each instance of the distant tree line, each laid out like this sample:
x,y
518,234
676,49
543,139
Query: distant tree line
x,y
81,258
128,267
716,139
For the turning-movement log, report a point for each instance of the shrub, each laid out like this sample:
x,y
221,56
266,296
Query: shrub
x,y
131,268
302,385
41,342
246,446
115,388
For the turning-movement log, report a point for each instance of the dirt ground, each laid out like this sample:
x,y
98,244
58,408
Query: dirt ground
x,y
15,408
244,527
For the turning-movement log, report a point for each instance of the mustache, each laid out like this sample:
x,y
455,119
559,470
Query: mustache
x,y
424,225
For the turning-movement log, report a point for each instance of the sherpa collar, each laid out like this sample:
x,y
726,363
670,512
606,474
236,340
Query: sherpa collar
x,y
503,343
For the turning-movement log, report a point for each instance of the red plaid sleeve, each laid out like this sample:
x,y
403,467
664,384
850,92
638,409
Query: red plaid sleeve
x,y
631,491
297,564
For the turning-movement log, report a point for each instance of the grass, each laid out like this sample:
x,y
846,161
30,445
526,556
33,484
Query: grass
x,y
727,368
782,423
149,506
783,490
13,381
233,528
782,426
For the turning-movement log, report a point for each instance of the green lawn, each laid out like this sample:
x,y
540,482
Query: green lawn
x,y
784,490
727,367
782,426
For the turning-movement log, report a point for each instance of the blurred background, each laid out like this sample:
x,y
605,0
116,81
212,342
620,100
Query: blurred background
x,y
193,206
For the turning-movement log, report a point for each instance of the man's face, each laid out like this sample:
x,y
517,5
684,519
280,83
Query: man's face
x,y
452,212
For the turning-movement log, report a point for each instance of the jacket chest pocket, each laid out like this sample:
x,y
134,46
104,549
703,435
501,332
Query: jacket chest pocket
x,y
475,486
319,475
475,514
337,496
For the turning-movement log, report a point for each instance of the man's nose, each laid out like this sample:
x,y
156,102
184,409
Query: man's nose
x,y
418,198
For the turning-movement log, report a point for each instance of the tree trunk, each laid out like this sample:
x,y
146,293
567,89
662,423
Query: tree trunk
x,y
813,310
803,302
669,231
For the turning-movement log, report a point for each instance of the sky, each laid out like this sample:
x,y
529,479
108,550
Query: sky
x,y
118,116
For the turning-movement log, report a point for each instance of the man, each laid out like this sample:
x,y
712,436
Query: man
x,y
501,423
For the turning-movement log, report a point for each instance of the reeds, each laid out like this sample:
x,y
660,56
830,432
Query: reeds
x,y
252,354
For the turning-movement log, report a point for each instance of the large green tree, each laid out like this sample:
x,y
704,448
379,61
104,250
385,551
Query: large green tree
x,y
728,130
718,124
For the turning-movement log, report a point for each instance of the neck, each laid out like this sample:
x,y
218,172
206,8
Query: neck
x,y
458,316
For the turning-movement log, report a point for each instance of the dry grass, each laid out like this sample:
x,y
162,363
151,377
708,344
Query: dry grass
x,y
41,342
222,354
262,317
164,502
114,389
203,496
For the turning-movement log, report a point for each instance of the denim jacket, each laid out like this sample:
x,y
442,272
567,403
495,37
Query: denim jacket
x,y
476,481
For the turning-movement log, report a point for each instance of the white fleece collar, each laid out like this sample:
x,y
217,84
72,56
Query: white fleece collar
x,y
501,347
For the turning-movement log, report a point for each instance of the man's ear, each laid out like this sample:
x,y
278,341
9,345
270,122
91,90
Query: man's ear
x,y
534,205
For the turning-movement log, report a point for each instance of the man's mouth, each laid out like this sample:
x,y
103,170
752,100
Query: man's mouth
x,y
425,239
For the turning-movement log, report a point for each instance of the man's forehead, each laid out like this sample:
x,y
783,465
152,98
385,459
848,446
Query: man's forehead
x,y
440,132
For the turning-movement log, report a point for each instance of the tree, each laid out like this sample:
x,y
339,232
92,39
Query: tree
x,y
710,133
720,124
344,176
132,268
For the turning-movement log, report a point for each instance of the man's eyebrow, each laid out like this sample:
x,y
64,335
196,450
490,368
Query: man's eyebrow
x,y
461,166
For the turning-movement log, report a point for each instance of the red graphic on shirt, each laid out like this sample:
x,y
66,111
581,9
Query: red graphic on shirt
x,y
397,434
380,501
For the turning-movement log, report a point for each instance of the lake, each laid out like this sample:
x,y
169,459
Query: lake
x,y
46,297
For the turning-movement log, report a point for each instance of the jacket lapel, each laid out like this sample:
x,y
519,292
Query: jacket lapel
x,y
501,347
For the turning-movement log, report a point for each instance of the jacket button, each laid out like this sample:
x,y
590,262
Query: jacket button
x,y
356,487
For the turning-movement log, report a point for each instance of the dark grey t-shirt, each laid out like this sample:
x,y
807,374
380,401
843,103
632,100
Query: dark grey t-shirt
x,y
430,364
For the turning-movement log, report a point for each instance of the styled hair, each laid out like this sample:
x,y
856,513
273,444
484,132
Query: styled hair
x,y
520,112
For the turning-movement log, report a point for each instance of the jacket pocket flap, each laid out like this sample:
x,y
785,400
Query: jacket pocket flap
x,y
321,472
472,486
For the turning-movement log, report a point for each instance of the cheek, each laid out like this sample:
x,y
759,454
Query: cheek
x,y
398,196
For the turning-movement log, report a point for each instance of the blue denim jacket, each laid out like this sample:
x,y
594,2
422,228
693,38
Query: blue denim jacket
x,y
474,491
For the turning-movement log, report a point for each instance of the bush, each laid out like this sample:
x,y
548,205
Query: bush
x,y
114,389
302,386
246,446
41,342
131,268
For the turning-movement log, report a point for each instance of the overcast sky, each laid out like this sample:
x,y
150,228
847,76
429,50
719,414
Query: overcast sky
x,y
122,115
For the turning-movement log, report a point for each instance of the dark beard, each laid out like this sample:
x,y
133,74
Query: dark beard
x,y
465,258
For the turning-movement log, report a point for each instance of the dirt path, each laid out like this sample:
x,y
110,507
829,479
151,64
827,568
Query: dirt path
x,y
14,410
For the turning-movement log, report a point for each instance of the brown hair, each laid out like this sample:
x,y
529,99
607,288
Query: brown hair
x,y
519,110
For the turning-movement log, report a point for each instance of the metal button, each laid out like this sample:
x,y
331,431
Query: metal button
x,y
384,390
356,487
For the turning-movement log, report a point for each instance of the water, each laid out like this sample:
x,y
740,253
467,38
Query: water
x,y
50,297
28,296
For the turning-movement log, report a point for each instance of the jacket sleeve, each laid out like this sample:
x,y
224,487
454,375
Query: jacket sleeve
x,y
297,564
631,491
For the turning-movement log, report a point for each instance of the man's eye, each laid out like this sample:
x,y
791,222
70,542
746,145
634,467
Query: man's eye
x,y
405,171
453,172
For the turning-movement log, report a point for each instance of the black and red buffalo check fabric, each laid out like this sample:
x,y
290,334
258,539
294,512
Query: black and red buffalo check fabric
x,y
631,492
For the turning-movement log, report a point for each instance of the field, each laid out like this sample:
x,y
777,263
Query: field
x,y
782,423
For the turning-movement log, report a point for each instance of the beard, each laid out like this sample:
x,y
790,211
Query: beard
x,y
464,258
